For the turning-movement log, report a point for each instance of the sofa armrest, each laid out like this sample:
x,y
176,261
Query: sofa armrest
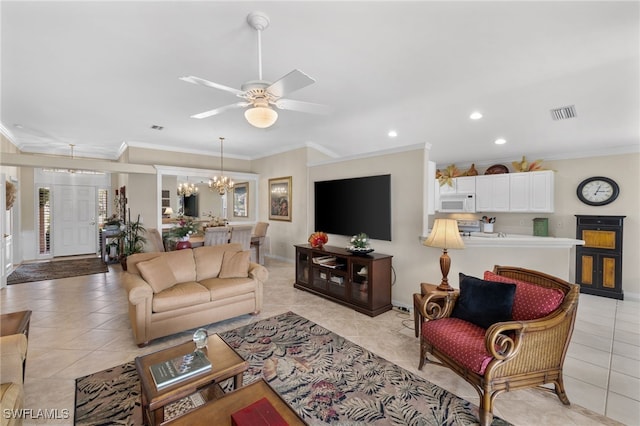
x,y
438,304
258,272
138,290
505,340
13,351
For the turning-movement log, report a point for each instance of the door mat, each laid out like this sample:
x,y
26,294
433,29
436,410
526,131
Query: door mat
x,y
54,270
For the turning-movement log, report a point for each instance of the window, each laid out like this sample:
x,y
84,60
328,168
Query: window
x,y
103,206
44,220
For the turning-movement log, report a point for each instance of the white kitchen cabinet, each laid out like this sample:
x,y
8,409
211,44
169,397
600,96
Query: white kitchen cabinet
x,y
465,185
542,192
519,192
492,193
531,192
459,185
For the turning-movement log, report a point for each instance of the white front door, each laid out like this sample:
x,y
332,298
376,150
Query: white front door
x,y
74,220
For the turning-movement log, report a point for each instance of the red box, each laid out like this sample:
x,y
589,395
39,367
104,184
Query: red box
x,y
260,413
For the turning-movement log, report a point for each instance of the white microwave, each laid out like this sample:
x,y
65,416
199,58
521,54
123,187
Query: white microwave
x,y
457,203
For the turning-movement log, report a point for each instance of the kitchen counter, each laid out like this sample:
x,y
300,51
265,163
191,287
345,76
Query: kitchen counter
x,y
479,239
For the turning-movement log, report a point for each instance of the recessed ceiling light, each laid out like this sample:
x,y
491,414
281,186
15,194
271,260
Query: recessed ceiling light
x,y
500,141
475,115
392,133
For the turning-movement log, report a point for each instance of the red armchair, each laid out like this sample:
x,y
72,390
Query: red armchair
x,y
527,351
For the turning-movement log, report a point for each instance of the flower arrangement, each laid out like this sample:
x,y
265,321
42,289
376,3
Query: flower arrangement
x,y
113,220
360,243
318,239
184,228
525,166
446,176
216,221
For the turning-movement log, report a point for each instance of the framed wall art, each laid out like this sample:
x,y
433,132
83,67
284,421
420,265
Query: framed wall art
x,y
280,198
241,199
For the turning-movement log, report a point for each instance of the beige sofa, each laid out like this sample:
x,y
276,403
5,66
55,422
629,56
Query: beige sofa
x,y
13,351
179,290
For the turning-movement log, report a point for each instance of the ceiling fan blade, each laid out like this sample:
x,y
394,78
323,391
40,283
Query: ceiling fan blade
x,y
203,82
309,107
221,110
291,82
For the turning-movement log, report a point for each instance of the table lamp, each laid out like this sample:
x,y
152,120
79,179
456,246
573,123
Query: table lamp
x,y
445,235
168,211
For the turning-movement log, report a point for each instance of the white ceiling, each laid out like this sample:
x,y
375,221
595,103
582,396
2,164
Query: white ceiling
x,y
100,74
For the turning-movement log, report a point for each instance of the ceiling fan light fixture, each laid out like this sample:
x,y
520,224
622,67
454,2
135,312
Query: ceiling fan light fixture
x,y
261,117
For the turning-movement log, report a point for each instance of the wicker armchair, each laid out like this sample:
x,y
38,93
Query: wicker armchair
x,y
517,354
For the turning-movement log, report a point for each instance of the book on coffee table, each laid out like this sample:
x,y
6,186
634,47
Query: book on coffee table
x,y
179,368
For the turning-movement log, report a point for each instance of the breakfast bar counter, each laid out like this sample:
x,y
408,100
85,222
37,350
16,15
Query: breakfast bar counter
x,y
480,239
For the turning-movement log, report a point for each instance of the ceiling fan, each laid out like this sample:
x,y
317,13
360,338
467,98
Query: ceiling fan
x,y
260,94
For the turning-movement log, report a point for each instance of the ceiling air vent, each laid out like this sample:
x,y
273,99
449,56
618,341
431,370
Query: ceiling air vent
x,y
563,113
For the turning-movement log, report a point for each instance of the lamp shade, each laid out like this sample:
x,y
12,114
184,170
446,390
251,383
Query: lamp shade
x,y
445,234
168,211
261,117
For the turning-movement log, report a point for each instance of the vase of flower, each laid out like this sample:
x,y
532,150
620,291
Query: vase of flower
x,y
183,243
318,239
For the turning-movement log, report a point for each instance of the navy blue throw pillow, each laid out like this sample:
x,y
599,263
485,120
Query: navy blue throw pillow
x,y
483,302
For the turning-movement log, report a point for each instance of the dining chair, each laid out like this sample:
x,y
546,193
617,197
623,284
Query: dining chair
x,y
241,234
257,241
216,235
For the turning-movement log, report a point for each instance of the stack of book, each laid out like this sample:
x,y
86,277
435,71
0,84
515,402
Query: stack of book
x,y
179,368
328,261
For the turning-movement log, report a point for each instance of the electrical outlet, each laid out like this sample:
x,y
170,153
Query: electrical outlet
x,y
401,309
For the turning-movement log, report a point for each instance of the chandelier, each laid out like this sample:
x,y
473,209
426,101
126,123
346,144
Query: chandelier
x,y
187,189
222,183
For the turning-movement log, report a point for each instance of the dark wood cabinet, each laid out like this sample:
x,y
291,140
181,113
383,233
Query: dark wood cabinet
x,y
599,260
362,282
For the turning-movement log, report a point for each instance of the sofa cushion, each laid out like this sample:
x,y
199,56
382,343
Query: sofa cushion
x,y
157,273
222,288
483,302
460,340
182,264
235,265
209,259
531,301
179,296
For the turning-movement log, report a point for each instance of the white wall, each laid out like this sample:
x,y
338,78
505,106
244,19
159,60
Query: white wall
x,y
412,262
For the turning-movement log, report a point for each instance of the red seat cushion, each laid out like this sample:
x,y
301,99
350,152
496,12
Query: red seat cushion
x,y
459,340
531,301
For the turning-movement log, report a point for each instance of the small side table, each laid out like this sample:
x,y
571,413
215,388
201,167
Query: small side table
x,y
16,323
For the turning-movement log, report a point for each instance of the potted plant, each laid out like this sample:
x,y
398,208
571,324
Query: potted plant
x,y
184,228
182,231
132,239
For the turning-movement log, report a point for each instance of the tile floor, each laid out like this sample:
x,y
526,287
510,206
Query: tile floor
x,y
80,326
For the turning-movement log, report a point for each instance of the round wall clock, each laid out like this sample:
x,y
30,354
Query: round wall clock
x,y
598,191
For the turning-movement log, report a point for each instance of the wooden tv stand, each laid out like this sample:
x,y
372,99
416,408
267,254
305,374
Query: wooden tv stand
x,y
362,282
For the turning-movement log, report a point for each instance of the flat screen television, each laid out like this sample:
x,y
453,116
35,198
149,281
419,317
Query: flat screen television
x,y
191,205
350,206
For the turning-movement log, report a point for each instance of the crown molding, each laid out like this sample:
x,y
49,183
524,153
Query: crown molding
x,y
146,145
405,148
569,155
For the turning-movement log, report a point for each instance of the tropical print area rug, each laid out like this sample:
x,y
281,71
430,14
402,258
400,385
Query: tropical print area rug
x,y
324,377
42,271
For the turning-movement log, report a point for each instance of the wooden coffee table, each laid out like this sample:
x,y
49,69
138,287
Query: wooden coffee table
x,y
219,412
16,323
226,363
